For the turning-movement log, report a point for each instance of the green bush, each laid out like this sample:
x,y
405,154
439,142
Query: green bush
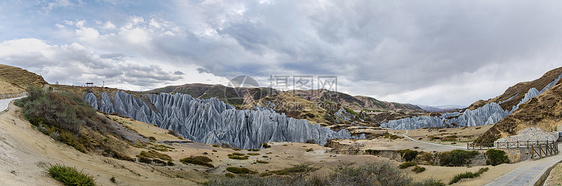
x,y
145,159
67,118
449,138
418,169
373,173
456,157
408,155
70,176
198,160
262,162
154,154
229,175
381,172
310,149
407,164
300,168
265,145
483,170
112,179
495,157
458,177
238,157
238,170
253,154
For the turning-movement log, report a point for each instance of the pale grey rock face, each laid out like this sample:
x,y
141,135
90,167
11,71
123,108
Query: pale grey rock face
x,y
488,114
212,121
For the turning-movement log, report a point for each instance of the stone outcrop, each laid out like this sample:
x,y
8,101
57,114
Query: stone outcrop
x,y
213,121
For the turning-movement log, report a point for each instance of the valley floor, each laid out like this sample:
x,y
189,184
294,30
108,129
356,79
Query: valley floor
x,y
25,153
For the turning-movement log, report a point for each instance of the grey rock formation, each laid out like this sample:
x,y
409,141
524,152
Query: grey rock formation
x,y
212,121
488,114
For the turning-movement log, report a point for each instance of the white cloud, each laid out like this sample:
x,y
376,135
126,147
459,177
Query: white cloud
x,y
75,64
425,53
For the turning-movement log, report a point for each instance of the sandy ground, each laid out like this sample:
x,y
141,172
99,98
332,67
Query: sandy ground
x,y
555,177
25,152
281,154
8,88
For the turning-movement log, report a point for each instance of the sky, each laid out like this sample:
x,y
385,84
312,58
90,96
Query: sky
x,y
422,52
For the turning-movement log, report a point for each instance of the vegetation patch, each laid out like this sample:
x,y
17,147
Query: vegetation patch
x,y
418,169
408,155
300,168
253,154
265,145
239,170
458,177
449,138
407,164
495,157
198,160
391,136
238,156
67,118
154,154
70,176
373,173
262,162
456,157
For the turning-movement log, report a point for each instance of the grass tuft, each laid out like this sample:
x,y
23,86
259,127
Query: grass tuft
x,y
70,176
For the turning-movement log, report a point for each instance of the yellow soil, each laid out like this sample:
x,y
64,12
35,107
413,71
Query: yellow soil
x,y
25,152
23,148
8,88
555,177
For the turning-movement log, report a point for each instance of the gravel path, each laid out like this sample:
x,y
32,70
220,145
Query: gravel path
x,y
5,102
528,174
451,147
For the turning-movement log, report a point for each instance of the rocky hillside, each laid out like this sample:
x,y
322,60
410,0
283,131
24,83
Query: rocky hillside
x,y
355,102
236,97
543,111
213,121
317,106
513,95
485,112
15,80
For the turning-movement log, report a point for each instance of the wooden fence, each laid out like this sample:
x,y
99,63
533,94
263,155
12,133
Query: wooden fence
x,y
544,150
537,149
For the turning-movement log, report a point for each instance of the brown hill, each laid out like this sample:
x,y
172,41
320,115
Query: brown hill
x,y
543,111
318,106
517,92
15,80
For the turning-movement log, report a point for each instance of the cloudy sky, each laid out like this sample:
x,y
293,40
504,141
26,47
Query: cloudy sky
x,y
421,52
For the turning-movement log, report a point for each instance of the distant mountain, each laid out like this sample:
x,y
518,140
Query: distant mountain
x,y
317,106
442,108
